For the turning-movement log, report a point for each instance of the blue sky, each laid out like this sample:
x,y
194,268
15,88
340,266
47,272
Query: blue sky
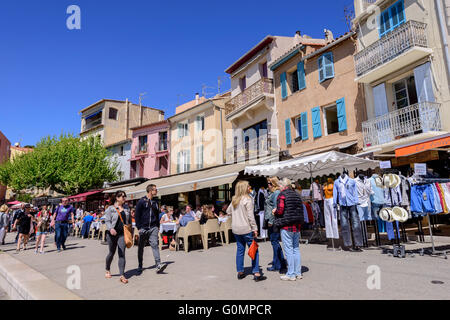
x,y
168,49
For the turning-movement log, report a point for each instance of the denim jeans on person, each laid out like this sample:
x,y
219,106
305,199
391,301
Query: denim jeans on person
x,y
61,230
346,214
278,257
291,246
241,241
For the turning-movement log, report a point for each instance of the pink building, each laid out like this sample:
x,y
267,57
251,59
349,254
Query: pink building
x,y
5,152
150,150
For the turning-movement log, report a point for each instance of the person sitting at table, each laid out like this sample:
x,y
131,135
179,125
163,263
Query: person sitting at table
x,y
222,217
86,225
168,217
187,217
207,213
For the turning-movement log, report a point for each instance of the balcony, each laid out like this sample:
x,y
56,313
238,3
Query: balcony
x,y
252,149
394,51
141,149
90,125
249,97
414,119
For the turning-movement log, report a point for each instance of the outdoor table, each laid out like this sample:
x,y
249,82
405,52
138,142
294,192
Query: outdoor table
x,y
166,227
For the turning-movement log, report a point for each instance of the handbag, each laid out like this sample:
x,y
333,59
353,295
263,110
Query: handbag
x,y
127,235
253,249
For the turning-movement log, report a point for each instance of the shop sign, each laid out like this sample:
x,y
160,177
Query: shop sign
x,y
443,142
420,169
385,164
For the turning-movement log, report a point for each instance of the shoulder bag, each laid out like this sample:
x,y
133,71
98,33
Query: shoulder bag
x,y
128,237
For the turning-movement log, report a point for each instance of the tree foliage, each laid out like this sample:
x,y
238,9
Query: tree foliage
x,y
66,164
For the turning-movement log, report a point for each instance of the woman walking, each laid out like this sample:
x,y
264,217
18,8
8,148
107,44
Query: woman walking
x,y
116,216
23,225
42,229
4,222
244,228
278,262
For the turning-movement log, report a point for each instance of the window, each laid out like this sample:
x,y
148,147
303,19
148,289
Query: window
x,y
326,66
331,119
121,151
200,123
294,81
391,18
405,92
242,84
283,83
93,120
113,113
301,127
263,70
183,161
163,141
199,156
142,144
183,130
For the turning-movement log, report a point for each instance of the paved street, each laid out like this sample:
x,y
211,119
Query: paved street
x,y
211,274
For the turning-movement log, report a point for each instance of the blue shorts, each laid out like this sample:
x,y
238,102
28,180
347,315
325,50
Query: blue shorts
x,y
40,233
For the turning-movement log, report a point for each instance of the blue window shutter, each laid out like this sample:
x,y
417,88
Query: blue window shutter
x,y
304,119
283,85
321,69
341,114
287,127
301,75
328,65
316,124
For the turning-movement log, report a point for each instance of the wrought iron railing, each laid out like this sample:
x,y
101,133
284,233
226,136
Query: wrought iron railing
x,y
391,45
410,120
251,149
141,149
255,91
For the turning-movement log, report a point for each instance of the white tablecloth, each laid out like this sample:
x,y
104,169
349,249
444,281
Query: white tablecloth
x,y
165,227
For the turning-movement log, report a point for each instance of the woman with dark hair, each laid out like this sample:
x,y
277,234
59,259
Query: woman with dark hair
x,y
116,216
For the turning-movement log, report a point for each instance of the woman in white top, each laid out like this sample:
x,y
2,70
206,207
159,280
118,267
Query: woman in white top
x,y
244,228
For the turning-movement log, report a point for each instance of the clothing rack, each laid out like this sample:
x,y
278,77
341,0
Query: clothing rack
x,y
433,252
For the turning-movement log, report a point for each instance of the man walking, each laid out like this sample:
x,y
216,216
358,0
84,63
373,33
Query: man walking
x,y
147,222
61,222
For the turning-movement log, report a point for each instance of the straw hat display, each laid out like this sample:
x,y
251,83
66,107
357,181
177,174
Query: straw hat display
x,y
391,180
386,214
399,214
378,182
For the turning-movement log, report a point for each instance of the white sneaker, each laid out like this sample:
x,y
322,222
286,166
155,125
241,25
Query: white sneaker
x,y
286,278
299,277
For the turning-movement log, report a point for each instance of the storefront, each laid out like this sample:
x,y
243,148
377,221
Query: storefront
x,y
90,201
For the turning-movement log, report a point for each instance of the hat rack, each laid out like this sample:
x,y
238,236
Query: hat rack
x,y
433,252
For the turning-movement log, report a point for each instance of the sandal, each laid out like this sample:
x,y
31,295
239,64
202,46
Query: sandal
x,y
108,275
123,280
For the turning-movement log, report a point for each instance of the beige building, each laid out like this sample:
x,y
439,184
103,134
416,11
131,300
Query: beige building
x,y
403,63
113,120
197,134
319,106
252,109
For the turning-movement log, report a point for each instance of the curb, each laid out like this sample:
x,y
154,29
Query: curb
x,y
22,282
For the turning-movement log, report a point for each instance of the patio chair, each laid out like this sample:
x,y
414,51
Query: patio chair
x,y
102,232
191,229
211,226
91,232
225,227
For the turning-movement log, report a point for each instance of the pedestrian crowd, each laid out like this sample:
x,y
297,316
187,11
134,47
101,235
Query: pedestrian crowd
x,y
276,213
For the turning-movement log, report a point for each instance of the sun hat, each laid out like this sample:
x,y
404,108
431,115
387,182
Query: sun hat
x,y
400,214
386,214
378,182
394,180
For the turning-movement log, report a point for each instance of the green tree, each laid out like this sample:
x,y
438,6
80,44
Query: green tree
x,y
66,164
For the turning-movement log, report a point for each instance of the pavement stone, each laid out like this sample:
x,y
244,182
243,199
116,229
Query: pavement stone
x,y
211,274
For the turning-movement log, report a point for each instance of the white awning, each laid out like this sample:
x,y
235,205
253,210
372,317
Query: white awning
x,y
190,181
314,165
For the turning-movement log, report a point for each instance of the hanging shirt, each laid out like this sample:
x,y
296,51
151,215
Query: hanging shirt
x,y
345,192
364,191
378,193
437,202
395,195
404,187
316,191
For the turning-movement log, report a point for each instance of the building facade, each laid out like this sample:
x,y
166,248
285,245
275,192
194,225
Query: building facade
x,y
319,105
251,109
403,63
5,153
197,135
113,120
150,151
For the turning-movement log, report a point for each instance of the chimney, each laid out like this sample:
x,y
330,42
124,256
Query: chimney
x,y
197,98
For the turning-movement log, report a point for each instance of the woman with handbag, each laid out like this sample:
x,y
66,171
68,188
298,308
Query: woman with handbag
x,y
244,228
278,262
118,224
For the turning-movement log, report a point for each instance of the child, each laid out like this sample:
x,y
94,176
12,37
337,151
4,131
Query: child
x,y
42,230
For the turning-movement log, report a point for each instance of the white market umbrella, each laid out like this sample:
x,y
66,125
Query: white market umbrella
x,y
320,164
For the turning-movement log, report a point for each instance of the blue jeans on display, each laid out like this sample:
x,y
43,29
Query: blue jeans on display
x,y
375,210
241,241
278,257
61,230
346,214
291,246
390,230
